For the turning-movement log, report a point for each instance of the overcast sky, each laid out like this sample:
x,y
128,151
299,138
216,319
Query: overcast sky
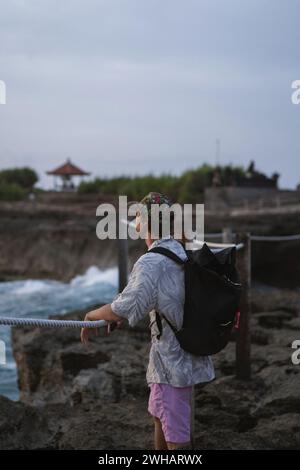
x,y
133,86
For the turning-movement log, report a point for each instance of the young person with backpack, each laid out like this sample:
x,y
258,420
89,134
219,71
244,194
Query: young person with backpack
x,y
158,287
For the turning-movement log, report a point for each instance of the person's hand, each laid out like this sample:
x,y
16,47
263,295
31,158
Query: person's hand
x,y
113,325
84,335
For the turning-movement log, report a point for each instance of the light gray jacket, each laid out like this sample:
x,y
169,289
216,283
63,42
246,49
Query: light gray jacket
x,y
157,283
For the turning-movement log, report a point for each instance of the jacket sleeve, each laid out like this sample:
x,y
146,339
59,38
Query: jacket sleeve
x,y
140,295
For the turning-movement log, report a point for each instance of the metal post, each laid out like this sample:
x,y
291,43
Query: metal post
x,y
243,345
123,262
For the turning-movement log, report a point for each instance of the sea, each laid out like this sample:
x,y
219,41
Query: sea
x,y
33,298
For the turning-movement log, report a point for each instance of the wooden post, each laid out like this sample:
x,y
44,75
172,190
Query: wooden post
x,y
193,418
123,262
278,201
243,345
227,235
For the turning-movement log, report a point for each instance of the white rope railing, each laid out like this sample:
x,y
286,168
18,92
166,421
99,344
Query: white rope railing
x,y
263,238
275,238
269,238
239,246
56,323
214,235
47,323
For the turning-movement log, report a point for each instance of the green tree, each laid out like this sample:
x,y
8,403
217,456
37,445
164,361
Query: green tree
x,y
24,177
11,192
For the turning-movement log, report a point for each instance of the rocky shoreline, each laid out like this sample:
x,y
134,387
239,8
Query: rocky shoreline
x,y
74,397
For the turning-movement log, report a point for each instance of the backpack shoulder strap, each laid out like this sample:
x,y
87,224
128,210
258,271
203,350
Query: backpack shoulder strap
x,y
167,253
168,321
158,320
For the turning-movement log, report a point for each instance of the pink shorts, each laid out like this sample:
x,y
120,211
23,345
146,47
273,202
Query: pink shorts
x,y
172,406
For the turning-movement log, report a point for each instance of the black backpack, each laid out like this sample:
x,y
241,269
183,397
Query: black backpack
x,y
212,295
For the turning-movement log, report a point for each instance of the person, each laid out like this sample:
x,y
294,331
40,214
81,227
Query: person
x,y
156,284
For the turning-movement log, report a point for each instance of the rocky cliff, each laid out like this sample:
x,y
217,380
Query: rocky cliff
x,y
39,240
96,397
56,238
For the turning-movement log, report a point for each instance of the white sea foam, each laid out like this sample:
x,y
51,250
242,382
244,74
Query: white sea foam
x,y
32,286
94,275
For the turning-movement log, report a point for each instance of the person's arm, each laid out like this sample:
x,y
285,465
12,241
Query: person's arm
x,y
103,313
140,295
135,301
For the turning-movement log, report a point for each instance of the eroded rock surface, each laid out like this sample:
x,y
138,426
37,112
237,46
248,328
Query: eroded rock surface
x,y
74,397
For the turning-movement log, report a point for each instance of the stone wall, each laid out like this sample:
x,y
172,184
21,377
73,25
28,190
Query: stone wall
x,y
221,198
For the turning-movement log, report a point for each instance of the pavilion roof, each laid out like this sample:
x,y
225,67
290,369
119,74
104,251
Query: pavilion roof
x,y
69,169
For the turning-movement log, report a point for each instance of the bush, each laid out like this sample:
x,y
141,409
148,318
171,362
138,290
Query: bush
x,y
23,177
134,187
193,184
187,188
89,187
11,192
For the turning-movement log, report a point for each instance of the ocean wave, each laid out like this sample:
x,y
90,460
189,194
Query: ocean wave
x,y
40,298
32,286
94,275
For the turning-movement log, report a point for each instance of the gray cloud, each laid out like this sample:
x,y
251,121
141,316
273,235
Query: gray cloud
x,y
143,85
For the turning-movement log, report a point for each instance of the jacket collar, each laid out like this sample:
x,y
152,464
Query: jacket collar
x,y
159,242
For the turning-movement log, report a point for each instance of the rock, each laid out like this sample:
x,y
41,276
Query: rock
x,y
279,432
63,235
274,299
61,229
51,364
276,319
75,358
282,399
98,427
22,427
260,336
294,324
249,415
125,425
96,397
232,395
90,384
